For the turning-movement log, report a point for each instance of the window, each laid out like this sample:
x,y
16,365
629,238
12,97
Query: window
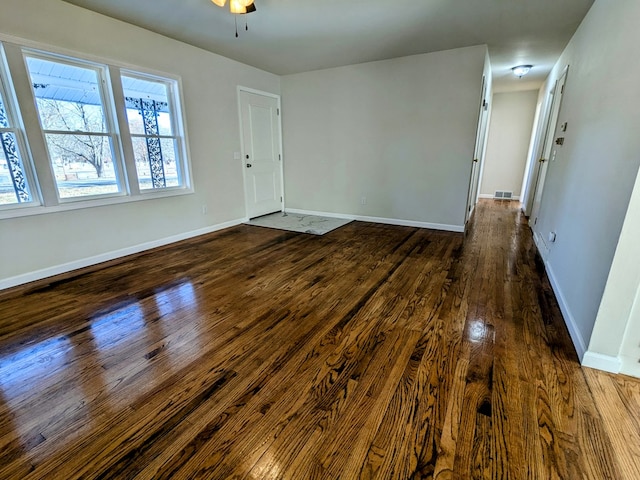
x,y
78,131
15,188
152,124
99,134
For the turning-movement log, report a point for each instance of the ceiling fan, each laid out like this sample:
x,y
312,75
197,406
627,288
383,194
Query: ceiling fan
x,y
239,7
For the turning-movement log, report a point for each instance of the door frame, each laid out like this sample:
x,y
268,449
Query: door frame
x,y
541,119
538,181
478,153
277,97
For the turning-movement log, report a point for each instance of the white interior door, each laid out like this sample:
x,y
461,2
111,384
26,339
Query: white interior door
x,y
472,198
549,146
260,123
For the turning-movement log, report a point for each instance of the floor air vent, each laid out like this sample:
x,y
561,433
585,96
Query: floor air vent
x,y
503,195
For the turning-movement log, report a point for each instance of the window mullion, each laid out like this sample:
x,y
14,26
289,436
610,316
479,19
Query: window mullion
x,y
161,137
125,135
78,133
31,122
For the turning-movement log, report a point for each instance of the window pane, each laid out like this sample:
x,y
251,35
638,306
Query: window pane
x,y
14,187
68,96
69,99
82,164
13,184
159,170
4,121
148,109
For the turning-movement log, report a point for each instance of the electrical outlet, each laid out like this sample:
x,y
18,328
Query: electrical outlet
x,y
205,210
363,200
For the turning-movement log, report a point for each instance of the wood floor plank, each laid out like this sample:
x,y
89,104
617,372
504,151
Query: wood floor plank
x,y
444,467
413,399
624,434
374,351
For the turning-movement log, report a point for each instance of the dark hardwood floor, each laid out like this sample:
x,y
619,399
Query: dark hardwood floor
x,y
371,352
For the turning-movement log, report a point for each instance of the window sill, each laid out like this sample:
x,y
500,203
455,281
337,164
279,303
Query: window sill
x,y
26,211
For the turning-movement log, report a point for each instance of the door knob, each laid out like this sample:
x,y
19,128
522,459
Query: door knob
x,y
249,165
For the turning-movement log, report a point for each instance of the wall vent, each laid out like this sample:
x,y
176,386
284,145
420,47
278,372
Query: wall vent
x,y
503,195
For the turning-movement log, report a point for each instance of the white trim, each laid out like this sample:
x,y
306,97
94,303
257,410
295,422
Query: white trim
x,y
386,221
629,366
576,337
599,361
549,135
260,92
542,246
485,195
105,257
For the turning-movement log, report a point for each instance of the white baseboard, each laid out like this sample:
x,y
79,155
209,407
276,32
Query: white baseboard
x,y
542,246
629,366
576,337
602,362
105,257
386,221
490,196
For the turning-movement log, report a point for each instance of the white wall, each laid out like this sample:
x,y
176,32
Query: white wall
x,y
209,81
399,132
615,343
508,143
589,185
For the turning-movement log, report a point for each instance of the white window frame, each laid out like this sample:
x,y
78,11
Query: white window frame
x,y
16,128
107,104
43,182
175,112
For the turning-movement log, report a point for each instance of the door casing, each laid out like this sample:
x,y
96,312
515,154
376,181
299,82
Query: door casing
x,y
243,153
547,145
478,153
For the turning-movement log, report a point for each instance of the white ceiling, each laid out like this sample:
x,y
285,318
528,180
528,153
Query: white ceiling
x,y
291,36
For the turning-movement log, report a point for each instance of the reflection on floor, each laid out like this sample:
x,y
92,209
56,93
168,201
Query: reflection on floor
x,y
376,351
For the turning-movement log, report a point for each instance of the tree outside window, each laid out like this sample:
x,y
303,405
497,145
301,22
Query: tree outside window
x,y
76,129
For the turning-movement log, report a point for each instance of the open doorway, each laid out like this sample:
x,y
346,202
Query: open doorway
x,y
507,150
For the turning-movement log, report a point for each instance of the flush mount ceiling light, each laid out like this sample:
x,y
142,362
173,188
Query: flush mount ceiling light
x,y
521,70
238,7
